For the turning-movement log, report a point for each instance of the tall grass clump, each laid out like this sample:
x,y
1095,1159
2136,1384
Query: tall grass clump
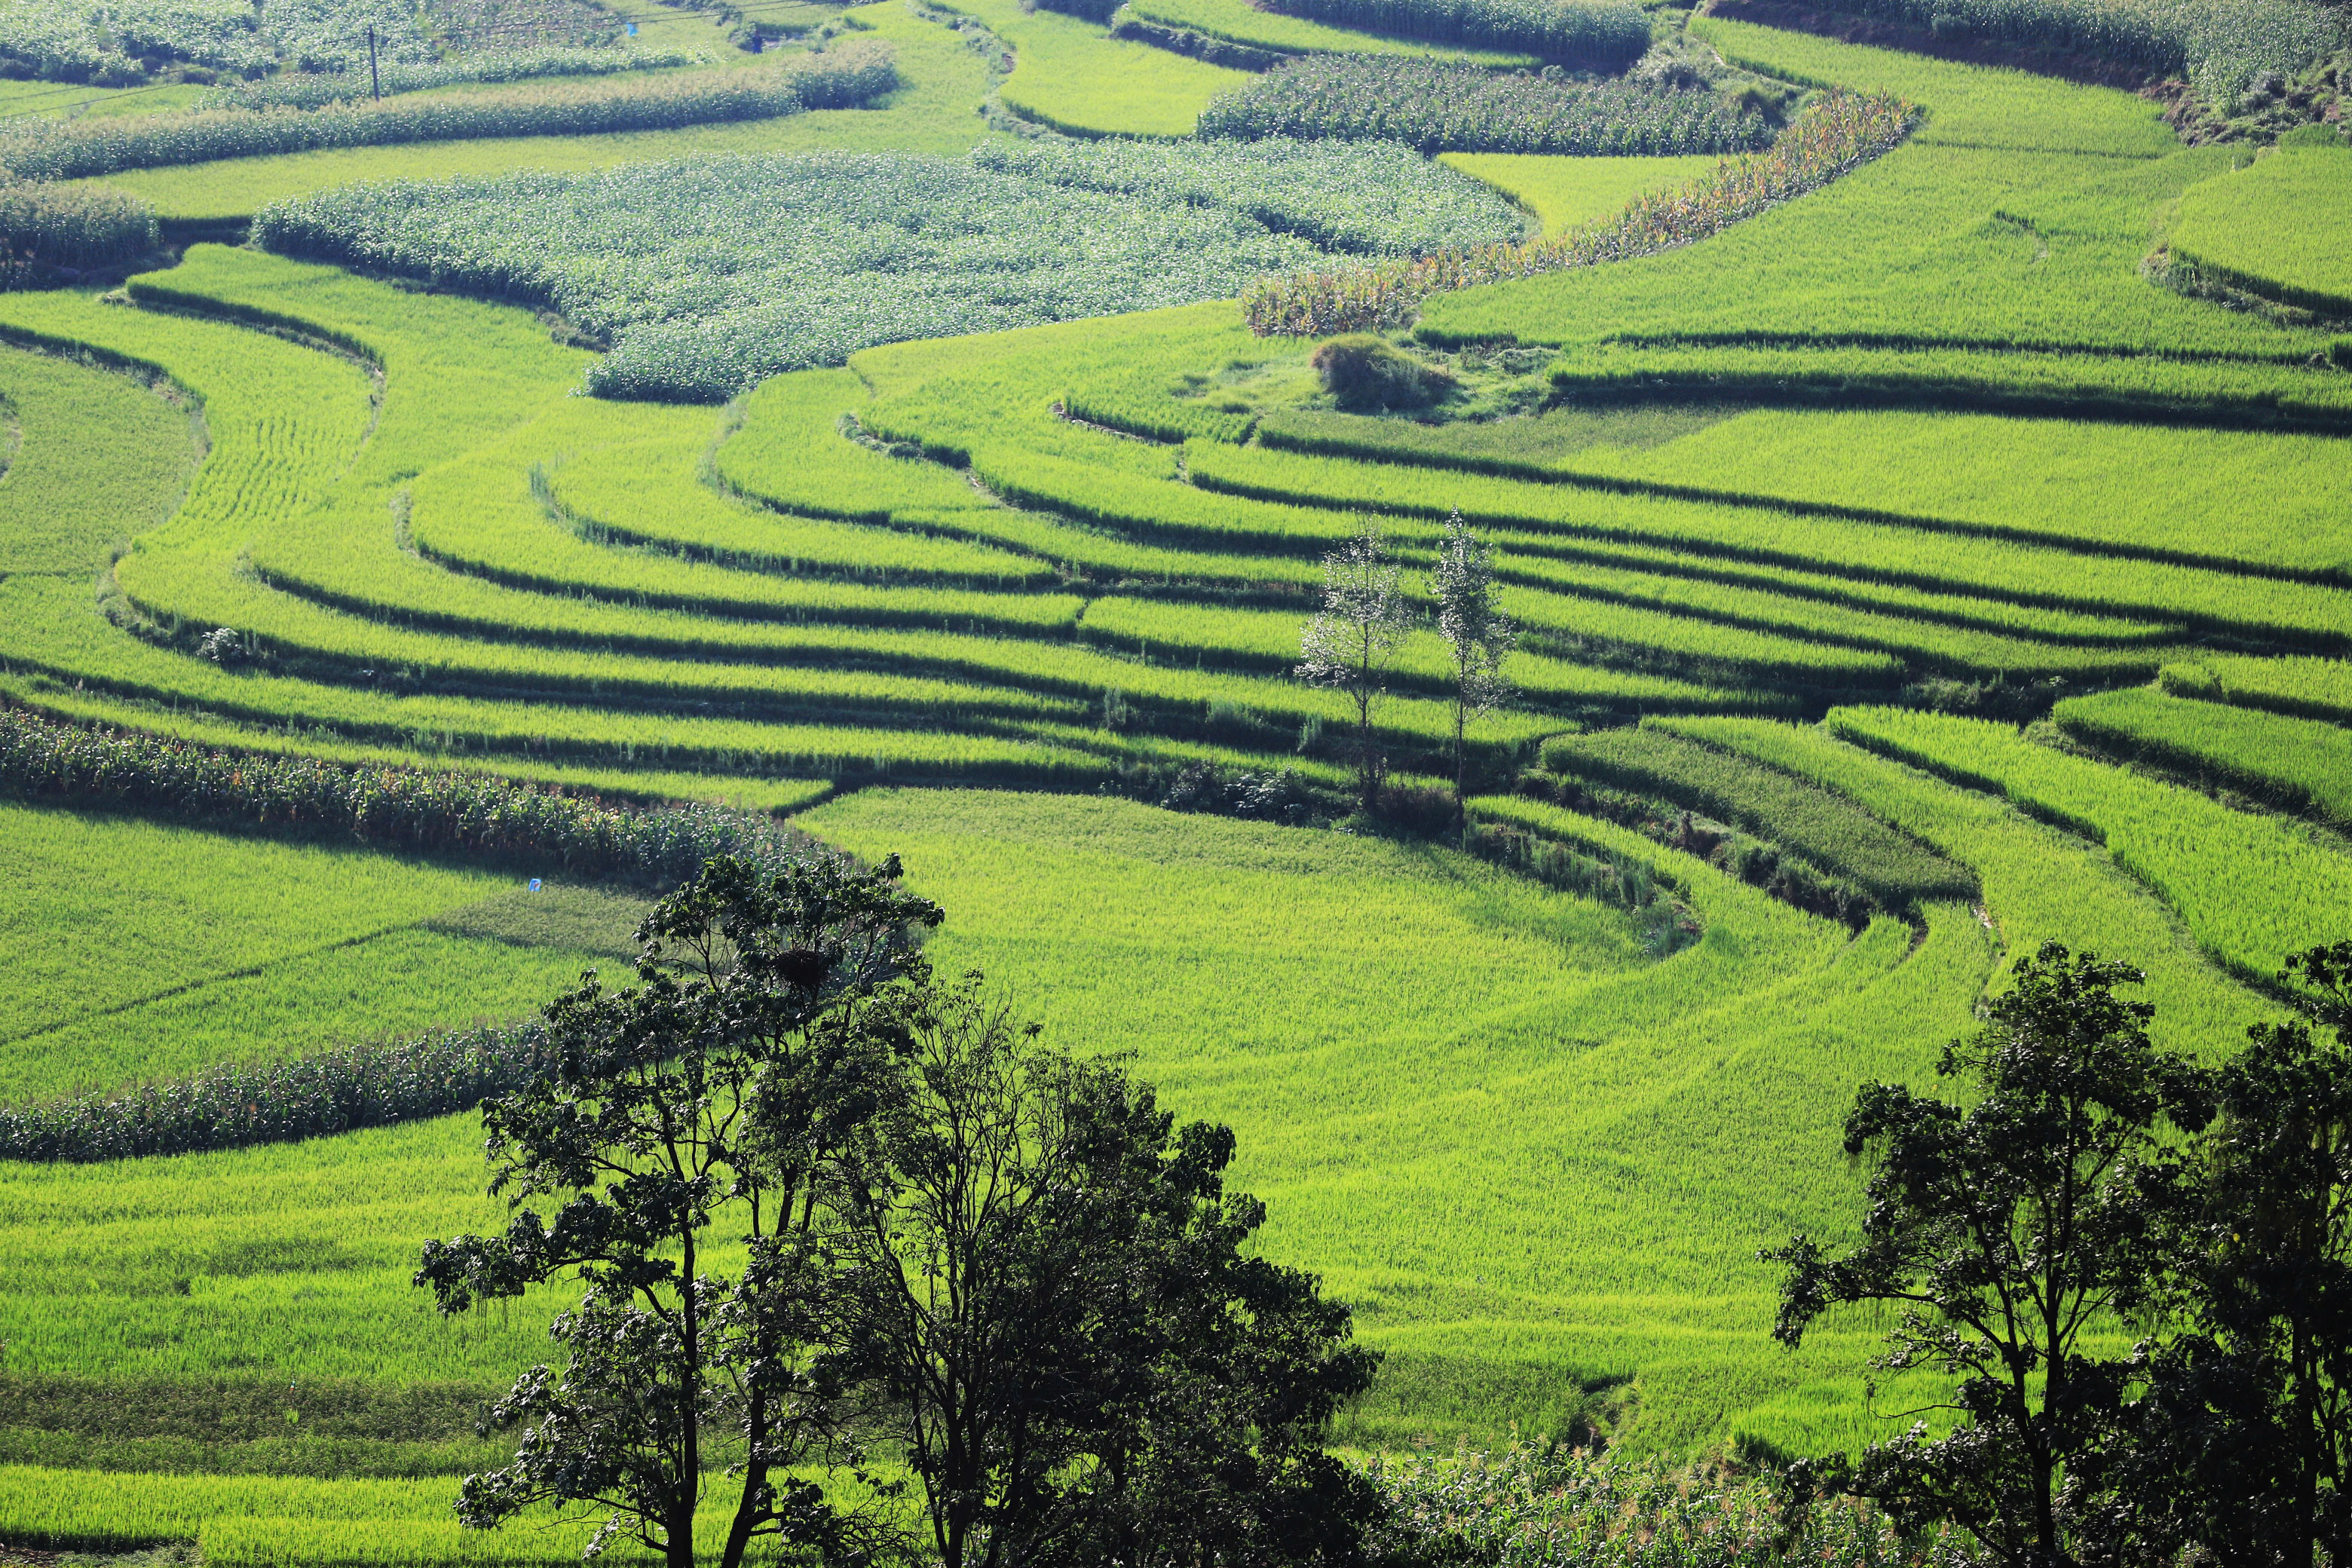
x,y
390,807
46,226
1600,34
1840,131
315,90
2220,46
45,148
1435,105
237,1106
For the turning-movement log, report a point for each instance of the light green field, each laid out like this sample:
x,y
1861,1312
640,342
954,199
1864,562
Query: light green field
x,y
2281,229
96,459
1240,23
1566,191
1076,77
140,951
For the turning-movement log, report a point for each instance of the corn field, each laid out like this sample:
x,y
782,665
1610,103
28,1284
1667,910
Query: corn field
x,y
1593,34
1441,106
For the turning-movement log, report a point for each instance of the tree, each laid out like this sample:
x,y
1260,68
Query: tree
x,y
1053,1307
716,1091
1477,631
2005,1229
1353,639
2243,1441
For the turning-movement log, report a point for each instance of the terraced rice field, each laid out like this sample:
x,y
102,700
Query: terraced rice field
x,y
1805,526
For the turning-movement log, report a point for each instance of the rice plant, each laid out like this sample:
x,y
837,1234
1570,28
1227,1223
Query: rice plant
x,y
2301,763
2250,890
2277,229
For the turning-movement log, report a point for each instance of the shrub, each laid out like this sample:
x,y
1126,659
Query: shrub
x,y
1590,33
1839,133
1444,105
1365,371
47,148
45,227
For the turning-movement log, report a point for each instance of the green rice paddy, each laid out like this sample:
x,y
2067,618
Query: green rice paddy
x,y
1937,436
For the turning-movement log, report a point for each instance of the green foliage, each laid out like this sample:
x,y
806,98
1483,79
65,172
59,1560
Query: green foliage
x,y
52,150
1832,833
775,241
2276,229
1597,35
1831,138
2301,763
98,458
1435,105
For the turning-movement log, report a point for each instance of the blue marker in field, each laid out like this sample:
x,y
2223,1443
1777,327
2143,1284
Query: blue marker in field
x,y
534,884
632,29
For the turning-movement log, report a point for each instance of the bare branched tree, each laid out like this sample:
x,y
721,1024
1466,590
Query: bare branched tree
x,y
1353,639
1477,631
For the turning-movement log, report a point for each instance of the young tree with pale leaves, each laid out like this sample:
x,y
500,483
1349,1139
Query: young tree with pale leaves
x,y
1477,632
1353,639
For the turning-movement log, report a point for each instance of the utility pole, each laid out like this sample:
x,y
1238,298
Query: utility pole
x,y
375,83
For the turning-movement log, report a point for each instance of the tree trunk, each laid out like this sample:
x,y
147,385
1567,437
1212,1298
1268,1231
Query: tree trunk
x,y
1461,768
755,1478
